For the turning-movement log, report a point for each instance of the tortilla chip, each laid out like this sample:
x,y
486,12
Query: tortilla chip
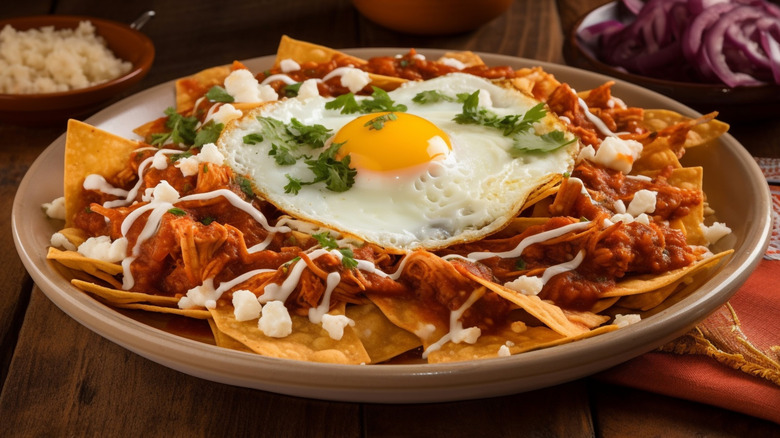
x,y
549,314
190,313
308,341
119,296
488,346
703,130
468,58
192,88
302,51
90,150
382,339
225,341
658,154
646,283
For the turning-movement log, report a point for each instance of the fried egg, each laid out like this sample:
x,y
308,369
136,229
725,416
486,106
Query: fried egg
x,y
422,179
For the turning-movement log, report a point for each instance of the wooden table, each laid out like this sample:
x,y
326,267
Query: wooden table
x,y
58,378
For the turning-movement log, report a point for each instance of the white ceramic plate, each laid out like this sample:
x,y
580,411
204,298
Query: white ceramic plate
x,y
733,182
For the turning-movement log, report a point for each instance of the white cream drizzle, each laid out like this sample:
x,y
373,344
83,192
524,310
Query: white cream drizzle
x,y
456,326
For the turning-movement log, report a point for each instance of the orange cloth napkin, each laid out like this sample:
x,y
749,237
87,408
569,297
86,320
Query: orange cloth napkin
x,y
731,359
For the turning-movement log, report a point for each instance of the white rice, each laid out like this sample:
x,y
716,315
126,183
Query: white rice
x,y
47,60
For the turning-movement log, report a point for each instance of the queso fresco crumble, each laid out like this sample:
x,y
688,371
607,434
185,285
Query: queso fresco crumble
x,y
48,60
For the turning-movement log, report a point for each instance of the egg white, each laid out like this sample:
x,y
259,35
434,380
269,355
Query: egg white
x,y
473,192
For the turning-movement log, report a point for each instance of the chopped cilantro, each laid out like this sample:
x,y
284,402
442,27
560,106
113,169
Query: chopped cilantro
x,y
380,101
282,155
207,220
336,174
378,122
348,258
291,90
176,157
346,103
177,211
313,135
520,264
328,242
182,129
209,133
294,185
432,96
253,138
219,94
517,126
325,240
245,185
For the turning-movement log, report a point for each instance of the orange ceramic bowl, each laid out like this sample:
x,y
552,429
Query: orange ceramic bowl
x,y
431,17
126,43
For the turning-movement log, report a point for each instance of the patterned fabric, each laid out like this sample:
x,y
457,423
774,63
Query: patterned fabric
x,y
771,169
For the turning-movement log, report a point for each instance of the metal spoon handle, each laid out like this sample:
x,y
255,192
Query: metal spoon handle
x,y
141,20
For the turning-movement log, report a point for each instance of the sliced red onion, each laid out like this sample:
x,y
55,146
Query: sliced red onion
x,y
735,42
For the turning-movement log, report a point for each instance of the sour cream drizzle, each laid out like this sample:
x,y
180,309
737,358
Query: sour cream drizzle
x,y
456,326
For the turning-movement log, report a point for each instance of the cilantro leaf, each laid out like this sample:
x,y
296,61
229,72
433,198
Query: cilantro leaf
x,y
432,96
177,212
377,123
291,90
381,101
313,135
336,174
245,185
282,155
219,94
348,258
346,103
209,133
293,186
325,240
253,138
528,142
181,129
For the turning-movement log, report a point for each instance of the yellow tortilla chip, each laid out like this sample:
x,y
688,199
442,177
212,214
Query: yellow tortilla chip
x,y
190,313
302,51
468,58
382,339
225,341
549,314
647,283
122,296
490,346
308,341
703,130
90,150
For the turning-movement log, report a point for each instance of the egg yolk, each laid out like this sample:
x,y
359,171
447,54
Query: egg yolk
x,y
391,141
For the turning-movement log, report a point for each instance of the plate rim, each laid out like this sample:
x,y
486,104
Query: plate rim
x,y
382,383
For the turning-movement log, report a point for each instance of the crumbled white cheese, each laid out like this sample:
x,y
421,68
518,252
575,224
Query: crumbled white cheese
x,y
58,240
715,232
275,320
644,202
164,192
288,65
452,62
243,86
526,285
467,335
160,161
626,320
355,79
201,296
308,89
102,248
334,325
503,351
245,305
55,209
614,153
226,113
